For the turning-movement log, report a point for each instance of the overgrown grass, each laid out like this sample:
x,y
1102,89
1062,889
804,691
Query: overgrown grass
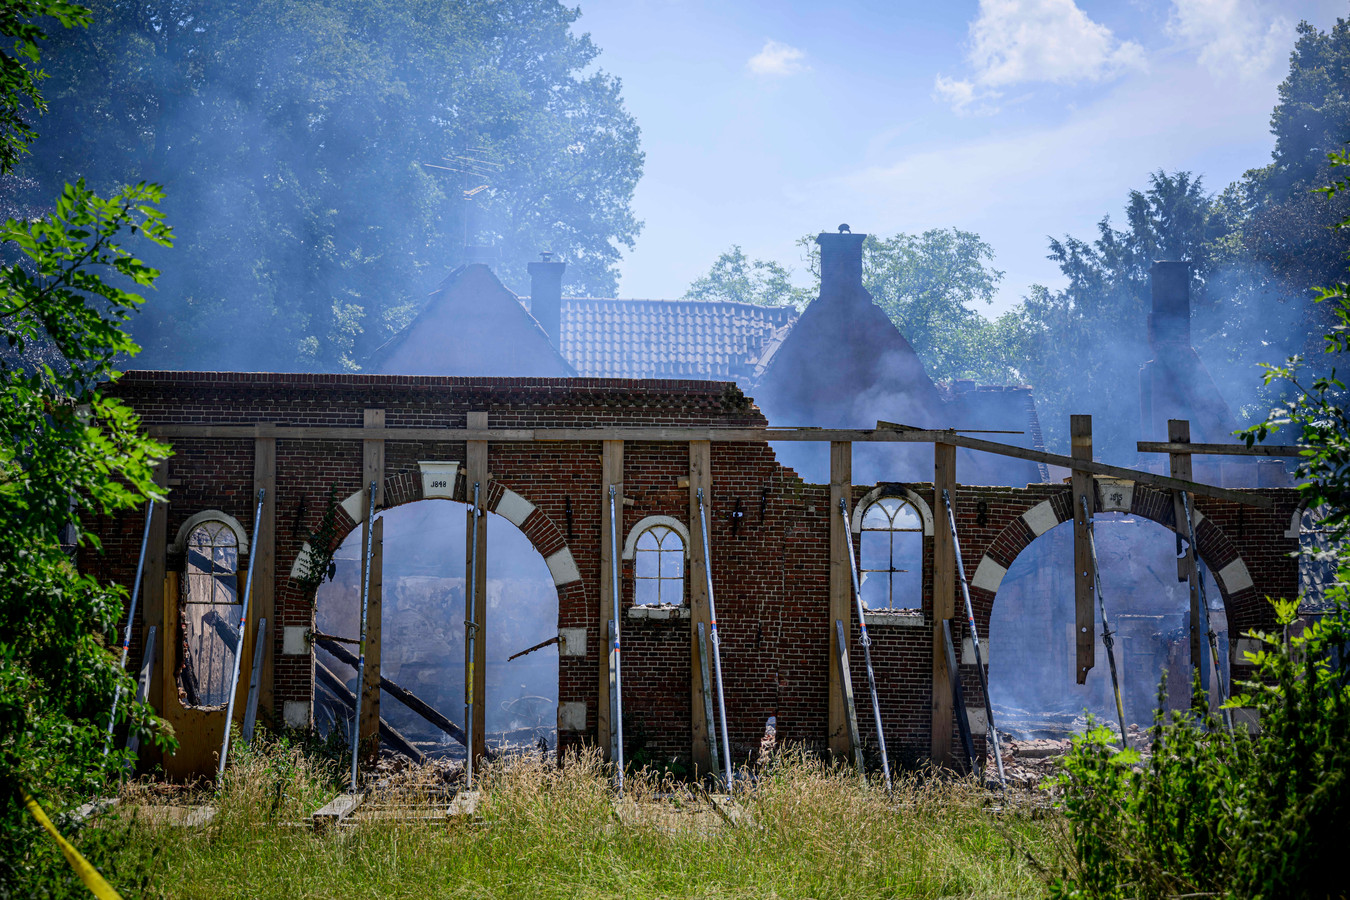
x,y
547,831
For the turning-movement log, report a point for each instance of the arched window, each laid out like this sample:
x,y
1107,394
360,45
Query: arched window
x,y
1316,562
891,557
208,619
658,567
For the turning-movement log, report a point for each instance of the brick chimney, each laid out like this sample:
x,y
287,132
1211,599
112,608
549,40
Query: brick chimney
x,y
841,266
1170,321
546,295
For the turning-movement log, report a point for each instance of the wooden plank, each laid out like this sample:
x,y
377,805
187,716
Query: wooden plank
x,y
399,693
702,639
254,683
1080,437
723,435
700,477
1281,450
844,681
476,470
370,683
841,591
944,604
143,681
372,455
153,588
611,472
344,695
958,695
263,600
1179,433
336,810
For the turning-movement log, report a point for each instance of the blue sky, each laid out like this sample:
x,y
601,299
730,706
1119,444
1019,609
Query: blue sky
x,y
1016,119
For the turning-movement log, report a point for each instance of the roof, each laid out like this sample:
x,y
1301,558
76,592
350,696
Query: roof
x,y
612,338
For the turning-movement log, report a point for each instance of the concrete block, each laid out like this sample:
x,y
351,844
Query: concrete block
x,y
989,575
1235,576
968,651
296,713
571,716
563,567
1117,495
571,641
1040,518
514,508
438,478
295,640
979,722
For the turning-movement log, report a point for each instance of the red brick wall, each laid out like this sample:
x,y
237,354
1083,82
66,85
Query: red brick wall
x,y
771,573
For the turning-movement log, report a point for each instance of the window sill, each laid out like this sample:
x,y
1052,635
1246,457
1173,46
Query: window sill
x,y
658,612
894,618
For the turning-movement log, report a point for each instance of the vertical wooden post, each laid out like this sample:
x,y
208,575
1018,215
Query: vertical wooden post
x,y
944,604
372,470
611,472
370,682
1179,432
476,469
700,476
265,546
153,607
841,597
1084,575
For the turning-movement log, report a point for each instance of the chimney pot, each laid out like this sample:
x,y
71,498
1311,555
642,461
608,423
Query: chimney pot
x,y
841,265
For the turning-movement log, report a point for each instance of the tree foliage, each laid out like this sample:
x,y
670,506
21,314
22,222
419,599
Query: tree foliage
x,y
735,278
300,141
68,453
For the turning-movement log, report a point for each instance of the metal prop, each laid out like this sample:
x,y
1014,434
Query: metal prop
x,y
239,647
361,655
1108,636
470,634
1204,613
716,640
866,643
131,618
617,670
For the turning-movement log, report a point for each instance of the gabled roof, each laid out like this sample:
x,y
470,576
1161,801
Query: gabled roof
x,y
472,325
612,338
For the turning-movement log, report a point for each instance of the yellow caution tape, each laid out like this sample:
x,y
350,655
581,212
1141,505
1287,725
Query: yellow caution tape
x,y
88,874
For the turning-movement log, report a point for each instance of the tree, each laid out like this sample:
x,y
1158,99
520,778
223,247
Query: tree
x,y
67,453
736,278
325,160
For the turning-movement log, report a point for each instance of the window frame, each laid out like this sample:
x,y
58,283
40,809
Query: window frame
x,y
909,498
631,551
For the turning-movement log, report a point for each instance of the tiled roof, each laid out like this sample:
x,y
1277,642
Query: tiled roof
x,y
606,338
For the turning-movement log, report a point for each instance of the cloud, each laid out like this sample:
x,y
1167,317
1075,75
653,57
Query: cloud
x,y
1016,42
1234,37
777,59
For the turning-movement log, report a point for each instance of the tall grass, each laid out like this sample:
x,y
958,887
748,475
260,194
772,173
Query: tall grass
x,y
544,830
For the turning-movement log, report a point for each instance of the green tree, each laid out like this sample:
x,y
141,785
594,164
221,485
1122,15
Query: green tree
x,y
301,142
736,278
67,453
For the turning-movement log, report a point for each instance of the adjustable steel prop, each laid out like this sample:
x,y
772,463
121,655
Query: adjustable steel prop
x,y
470,634
131,618
239,645
866,643
615,590
716,640
361,655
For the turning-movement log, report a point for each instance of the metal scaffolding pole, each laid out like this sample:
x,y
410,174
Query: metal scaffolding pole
x,y
1212,638
361,655
974,635
614,630
1108,637
239,647
470,634
131,618
716,639
866,643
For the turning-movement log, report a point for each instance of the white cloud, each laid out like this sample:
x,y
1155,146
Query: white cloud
x,y
1234,37
1027,41
777,59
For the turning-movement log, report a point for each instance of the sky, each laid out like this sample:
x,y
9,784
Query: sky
x,y
1016,119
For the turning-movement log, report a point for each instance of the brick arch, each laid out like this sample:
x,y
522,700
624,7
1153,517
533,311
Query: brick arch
x,y
1216,549
402,488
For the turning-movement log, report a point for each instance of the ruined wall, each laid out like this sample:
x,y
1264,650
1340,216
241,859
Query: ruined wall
x,y
770,565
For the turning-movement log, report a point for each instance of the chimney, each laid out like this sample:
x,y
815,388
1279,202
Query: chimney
x,y
1170,321
841,265
546,295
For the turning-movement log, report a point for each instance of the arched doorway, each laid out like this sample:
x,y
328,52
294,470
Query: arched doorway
x,y
422,624
1031,630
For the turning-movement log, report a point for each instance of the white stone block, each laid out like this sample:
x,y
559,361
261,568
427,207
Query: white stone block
x,y
301,561
571,716
1117,495
979,722
296,713
563,567
295,640
514,508
438,478
571,641
968,651
989,575
1040,518
1235,576
352,505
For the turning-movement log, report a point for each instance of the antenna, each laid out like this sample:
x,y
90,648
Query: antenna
x,y
476,167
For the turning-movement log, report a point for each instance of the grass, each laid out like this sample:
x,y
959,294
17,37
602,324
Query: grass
x,y
545,831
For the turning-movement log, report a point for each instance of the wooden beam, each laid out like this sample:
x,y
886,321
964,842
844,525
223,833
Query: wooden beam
x,y
841,599
1179,434
398,692
844,687
476,469
265,566
344,695
1282,450
372,472
1080,436
611,472
153,607
679,434
701,727
944,605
